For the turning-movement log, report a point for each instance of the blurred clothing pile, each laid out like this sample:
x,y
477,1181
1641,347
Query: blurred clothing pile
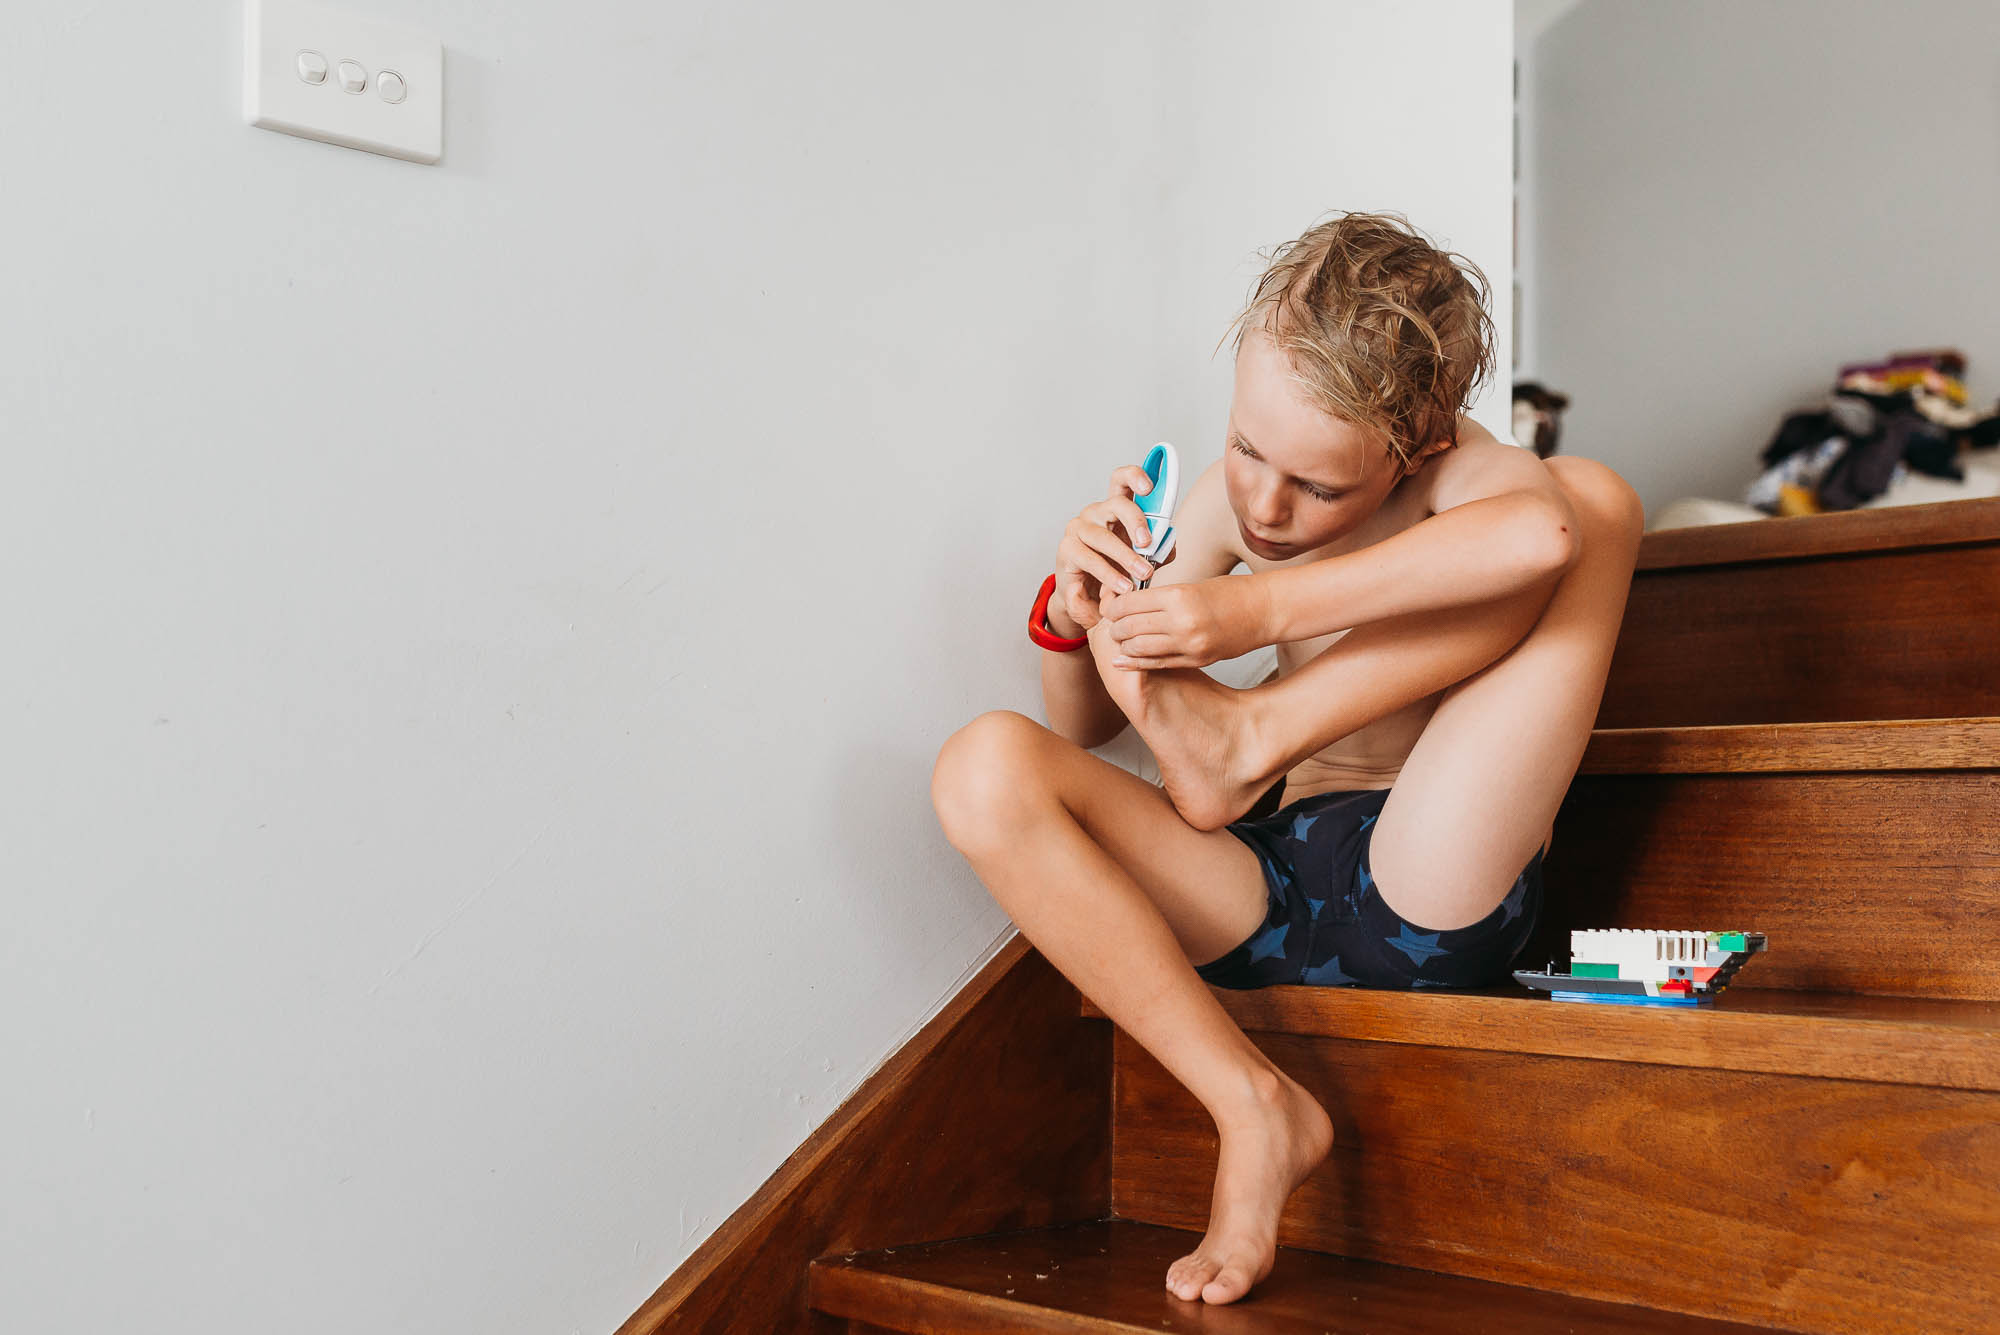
x,y
1882,422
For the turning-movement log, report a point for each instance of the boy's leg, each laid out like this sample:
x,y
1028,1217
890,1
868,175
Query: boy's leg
x,y
1219,747
1098,869
1480,790
1123,896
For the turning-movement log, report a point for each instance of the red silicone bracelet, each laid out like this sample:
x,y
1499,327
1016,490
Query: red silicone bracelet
x,y
1038,629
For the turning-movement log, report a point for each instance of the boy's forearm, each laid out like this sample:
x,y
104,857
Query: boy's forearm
x,y
1073,695
1475,552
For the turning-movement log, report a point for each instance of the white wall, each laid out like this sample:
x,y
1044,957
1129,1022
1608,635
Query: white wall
x,y
481,633
1531,19
1733,200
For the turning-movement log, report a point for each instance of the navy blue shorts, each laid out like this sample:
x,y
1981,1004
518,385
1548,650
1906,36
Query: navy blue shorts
x,y
1325,924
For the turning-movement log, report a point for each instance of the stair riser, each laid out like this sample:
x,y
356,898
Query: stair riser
x,y
1904,634
819,1323
1870,882
1817,1205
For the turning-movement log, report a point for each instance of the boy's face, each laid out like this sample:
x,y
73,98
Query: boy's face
x,y
1296,477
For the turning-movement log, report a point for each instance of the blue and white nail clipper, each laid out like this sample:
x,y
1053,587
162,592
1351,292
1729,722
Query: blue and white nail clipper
x,y
1162,465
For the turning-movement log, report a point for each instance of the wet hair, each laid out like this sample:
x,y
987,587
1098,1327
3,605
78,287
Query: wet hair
x,y
1381,328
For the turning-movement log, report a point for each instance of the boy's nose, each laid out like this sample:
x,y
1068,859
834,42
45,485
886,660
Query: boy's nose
x,y
1267,516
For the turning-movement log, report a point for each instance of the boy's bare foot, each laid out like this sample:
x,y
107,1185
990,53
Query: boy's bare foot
x,y
1196,728
1264,1157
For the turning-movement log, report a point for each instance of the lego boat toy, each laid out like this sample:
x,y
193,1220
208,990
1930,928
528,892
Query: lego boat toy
x,y
1636,967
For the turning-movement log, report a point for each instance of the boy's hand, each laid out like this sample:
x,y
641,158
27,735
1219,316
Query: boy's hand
x,y
1188,625
1093,559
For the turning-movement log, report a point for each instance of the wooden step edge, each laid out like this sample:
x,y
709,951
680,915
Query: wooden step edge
x,y
1942,1042
896,1302
1744,748
1890,528
1108,1277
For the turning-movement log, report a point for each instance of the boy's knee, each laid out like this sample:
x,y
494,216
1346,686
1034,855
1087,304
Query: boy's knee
x,y
982,771
1602,498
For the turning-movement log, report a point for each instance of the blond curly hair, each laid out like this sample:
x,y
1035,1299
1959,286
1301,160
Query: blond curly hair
x,y
1380,327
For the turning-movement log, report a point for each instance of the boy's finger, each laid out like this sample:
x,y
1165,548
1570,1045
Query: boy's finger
x,y
1138,530
1131,604
1151,647
1127,481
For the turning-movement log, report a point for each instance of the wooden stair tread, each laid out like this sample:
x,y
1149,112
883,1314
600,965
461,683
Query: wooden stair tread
x,y
1943,1042
1838,747
1110,1275
1889,528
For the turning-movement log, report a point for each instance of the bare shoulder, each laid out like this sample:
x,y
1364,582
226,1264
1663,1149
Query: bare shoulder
x,y
1477,466
1204,533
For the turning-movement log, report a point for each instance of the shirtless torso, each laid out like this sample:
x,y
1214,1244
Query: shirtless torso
x,y
1371,756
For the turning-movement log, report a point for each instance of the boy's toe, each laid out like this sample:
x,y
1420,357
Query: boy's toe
x,y
1230,1283
1187,1276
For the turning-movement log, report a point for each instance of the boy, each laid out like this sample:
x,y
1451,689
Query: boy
x,y
1444,607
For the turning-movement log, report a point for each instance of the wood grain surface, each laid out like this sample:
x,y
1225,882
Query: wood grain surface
x,y
1889,528
1885,882
1111,1277
1893,744
1836,1035
1837,1206
1874,635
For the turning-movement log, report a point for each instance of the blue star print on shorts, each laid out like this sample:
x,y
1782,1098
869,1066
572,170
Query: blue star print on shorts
x,y
1326,924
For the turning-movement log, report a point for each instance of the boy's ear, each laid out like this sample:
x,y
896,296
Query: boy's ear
x,y
1436,447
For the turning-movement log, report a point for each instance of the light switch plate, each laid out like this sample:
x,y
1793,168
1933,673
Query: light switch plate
x,y
275,97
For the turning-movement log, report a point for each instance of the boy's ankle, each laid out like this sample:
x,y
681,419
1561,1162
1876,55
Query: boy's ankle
x,y
1256,759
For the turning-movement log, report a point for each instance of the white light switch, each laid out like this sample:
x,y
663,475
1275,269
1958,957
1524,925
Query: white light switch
x,y
343,79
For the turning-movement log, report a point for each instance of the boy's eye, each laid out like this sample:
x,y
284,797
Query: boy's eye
x,y
1307,487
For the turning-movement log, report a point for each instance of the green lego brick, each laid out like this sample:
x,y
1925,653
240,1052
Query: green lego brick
x,y
1593,970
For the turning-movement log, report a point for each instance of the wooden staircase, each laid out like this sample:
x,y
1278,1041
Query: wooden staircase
x,y
1106,1276
1801,736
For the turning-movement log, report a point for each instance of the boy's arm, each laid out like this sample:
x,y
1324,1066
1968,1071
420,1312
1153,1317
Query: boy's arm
x,y
1498,523
1073,696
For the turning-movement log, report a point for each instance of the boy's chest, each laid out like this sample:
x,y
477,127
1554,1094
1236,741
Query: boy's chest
x,y
1374,752
1391,518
